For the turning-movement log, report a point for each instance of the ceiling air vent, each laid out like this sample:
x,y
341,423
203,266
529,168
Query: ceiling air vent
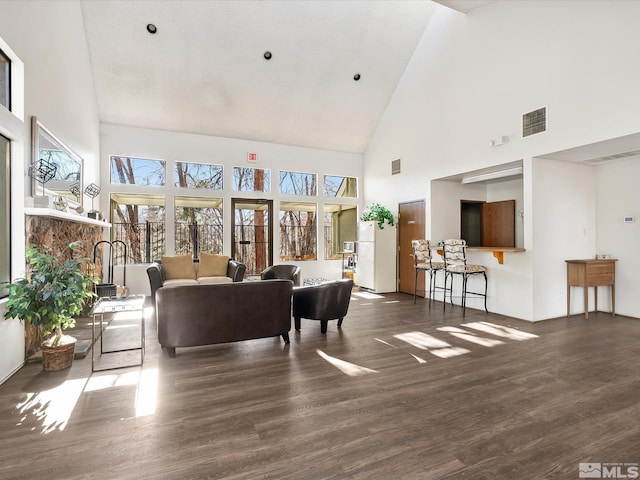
x,y
395,167
534,122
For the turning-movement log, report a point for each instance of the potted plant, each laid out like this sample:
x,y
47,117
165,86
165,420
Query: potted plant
x,y
378,213
51,294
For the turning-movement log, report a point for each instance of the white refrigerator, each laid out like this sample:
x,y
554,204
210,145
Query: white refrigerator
x,y
376,264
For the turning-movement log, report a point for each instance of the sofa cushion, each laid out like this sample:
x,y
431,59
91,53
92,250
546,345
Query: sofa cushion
x,y
180,281
178,266
214,280
212,265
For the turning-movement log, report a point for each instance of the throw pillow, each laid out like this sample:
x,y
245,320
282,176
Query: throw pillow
x,y
178,266
212,265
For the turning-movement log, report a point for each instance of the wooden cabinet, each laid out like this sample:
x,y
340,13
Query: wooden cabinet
x,y
591,273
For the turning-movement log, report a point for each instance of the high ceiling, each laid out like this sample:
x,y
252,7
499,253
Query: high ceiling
x,y
204,70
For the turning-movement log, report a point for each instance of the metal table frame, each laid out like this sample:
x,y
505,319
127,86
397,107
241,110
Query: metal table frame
x,y
112,305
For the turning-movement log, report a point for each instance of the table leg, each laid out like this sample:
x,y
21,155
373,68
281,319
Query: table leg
x,y
613,300
586,303
596,299
568,298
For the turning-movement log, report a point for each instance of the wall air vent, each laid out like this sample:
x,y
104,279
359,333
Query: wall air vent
x,y
534,122
395,167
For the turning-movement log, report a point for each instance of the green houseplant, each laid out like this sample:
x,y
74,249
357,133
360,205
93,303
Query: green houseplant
x,y
52,292
378,213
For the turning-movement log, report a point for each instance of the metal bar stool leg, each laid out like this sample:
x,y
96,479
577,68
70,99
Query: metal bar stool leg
x,y
415,286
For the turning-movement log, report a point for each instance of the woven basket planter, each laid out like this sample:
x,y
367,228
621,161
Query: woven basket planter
x,y
57,358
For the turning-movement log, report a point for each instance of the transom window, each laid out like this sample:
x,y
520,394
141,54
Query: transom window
x,y
198,175
137,171
247,179
340,187
295,183
5,80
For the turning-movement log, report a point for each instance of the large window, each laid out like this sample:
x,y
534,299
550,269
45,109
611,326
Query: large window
x,y
198,226
138,220
298,227
137,171
294,183
340,187
5,80
5,251
198,175
251,180
340,223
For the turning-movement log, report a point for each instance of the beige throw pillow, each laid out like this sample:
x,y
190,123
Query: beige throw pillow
x,y
212,265
178,266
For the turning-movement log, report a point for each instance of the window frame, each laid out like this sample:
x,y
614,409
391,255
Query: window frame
x,y
5,159
7,79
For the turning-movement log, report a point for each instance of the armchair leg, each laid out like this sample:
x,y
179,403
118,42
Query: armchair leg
x,y
323,326
171,351
340,322
285,337
297,323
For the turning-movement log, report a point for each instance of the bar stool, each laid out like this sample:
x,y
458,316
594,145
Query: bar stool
x,y
455,261
422,261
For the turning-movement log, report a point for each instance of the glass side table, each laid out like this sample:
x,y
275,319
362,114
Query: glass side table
x,y
114,305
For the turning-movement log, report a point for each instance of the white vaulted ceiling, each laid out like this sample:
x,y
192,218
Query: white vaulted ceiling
x,y
204,71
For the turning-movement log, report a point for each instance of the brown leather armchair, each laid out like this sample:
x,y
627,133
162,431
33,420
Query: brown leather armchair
x,y
285,272
324,302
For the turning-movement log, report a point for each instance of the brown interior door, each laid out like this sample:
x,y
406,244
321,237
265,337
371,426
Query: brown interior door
x,y
411,226
498,224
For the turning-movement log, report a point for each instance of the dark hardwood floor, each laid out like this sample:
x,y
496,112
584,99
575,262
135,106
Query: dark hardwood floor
x,y
400,392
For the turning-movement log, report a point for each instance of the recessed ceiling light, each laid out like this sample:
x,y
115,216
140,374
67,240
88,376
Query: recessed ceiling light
x,y
356,77
267,55
152,29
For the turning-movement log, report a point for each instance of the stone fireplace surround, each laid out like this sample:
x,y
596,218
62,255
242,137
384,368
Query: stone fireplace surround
x,y
57,229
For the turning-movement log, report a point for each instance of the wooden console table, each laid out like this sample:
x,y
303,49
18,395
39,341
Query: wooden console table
x,y
591,273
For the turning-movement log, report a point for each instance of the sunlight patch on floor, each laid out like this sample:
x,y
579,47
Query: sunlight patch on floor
x,y
500,331
419,359
437,347
421,340
102,382
347,368
367,295
471,337
147,393
51,408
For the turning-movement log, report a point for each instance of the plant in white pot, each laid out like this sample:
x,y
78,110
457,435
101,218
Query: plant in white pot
x,y
378,213
52,293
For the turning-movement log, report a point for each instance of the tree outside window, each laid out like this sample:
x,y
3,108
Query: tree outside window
x,y
298,231
137,171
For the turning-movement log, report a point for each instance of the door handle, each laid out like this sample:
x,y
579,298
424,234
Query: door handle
x,y
411,222
245,242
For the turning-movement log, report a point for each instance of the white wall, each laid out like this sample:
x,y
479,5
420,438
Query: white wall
x,y
470,80
49,39
564,228
174,146
619,196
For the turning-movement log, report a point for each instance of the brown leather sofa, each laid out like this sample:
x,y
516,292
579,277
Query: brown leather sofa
x,y
193,315
235,273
